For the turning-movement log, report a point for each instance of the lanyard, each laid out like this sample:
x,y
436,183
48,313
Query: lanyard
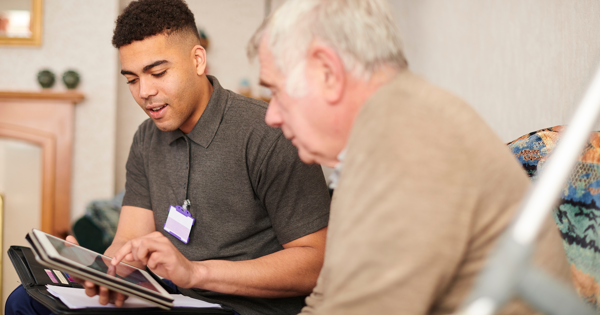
x,y
187,203
180,221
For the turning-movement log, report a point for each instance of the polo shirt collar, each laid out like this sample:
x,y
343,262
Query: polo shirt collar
x,y
206,128
337,170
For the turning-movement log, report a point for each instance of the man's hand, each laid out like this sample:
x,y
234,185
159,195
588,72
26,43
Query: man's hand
x,y
160,255
292,271
91,289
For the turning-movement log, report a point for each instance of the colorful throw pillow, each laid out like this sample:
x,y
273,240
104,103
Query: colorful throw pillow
x,y
578,211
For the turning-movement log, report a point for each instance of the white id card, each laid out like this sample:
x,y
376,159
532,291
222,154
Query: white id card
x,y
179,223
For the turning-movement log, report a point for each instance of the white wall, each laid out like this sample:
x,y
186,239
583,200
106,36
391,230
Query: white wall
x,y
129,117
76,35
523,65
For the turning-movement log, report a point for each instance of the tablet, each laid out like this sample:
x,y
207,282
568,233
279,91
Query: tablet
x,y
83,263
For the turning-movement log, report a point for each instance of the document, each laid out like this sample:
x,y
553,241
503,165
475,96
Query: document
x,y
75,298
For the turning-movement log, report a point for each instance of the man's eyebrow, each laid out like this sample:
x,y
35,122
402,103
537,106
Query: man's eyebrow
x,y
152,65
146,68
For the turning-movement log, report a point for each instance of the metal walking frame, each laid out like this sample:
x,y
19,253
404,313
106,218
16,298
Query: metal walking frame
x,y
509,271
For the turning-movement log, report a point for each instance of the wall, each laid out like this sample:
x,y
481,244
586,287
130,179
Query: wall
x,y
524,65
76,35
129,117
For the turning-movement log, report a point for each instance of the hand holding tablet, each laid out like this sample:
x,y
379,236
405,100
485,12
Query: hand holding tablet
x,y
97,269
105,295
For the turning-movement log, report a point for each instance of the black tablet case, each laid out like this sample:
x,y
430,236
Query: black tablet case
x,y
34,279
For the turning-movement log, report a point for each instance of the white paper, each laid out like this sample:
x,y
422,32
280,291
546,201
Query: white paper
x,y
75,298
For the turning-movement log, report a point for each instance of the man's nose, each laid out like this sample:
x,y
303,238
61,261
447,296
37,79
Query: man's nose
x,y
147,89
273,116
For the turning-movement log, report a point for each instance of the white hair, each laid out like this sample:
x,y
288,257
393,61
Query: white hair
x,y
362,32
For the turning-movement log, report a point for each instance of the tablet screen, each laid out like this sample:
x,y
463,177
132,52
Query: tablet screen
x,y
100,263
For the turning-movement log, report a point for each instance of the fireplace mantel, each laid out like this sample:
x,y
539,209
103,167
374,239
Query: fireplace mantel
x,y
46,119
73,97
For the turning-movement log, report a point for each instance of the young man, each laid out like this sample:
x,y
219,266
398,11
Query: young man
x,y
258,239
426,187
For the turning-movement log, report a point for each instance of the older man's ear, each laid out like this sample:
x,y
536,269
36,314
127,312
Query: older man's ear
x,y
327,69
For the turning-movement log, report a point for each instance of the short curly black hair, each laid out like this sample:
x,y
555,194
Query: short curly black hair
x,y
145,18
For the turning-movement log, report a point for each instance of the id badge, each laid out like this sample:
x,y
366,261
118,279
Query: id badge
x,y
179,223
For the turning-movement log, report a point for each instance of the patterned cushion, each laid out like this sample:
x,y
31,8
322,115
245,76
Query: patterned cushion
x,y
577,213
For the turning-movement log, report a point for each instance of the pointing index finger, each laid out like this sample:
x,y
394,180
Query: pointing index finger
x,y
121,253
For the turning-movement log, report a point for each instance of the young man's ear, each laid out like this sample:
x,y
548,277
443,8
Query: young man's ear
x,y
199,55
329,72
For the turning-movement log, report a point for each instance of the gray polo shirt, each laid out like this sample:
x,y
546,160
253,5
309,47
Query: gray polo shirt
x,y
249,191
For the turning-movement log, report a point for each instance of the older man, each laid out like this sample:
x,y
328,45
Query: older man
x,y
426,187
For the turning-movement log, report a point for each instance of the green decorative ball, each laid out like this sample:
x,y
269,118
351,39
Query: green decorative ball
x,y
46,78
71,79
